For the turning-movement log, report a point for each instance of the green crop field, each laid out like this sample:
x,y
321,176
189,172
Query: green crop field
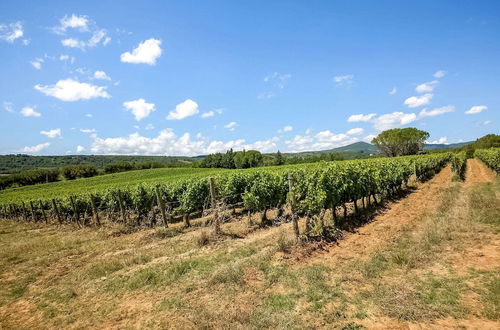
x,y
103,182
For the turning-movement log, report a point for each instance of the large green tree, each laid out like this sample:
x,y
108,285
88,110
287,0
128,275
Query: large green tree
x,y
401,141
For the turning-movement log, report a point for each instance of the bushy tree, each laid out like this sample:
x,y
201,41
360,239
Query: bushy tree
x,y
401,141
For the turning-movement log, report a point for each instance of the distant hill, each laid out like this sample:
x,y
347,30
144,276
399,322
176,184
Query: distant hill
x,y
446,146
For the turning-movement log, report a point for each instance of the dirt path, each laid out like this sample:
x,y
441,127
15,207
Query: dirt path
x,y
388,225
477,172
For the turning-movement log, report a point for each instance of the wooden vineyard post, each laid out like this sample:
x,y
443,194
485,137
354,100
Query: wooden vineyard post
x,y
45,219
415,170
56,211
25,217
33,213
95,214
213,199
292,206
122,207
75,210
161,205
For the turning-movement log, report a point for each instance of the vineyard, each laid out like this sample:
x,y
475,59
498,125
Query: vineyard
x,y
309,190
490,157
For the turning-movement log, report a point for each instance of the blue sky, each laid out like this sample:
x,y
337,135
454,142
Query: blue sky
x,y
195,77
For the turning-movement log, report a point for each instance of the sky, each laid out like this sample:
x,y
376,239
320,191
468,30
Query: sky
x,y
196,77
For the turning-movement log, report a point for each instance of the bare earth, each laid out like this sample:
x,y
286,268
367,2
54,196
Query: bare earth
x,y
139,309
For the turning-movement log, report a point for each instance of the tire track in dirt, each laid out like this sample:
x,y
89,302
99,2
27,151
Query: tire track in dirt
x,y
477,172
386,227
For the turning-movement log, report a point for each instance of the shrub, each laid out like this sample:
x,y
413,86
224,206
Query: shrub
x,y
79,171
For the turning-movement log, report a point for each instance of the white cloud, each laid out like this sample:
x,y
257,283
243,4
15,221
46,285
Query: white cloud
x,y
212,113
231,126
35,149
321,141
360,117
139,108
149,127
393,91
343,80
287,128
12,31
437,111
417,101
71,90
369,138
487,122
30,112
168,143
37,63
355,131
53,133
80,23
8,106
476,109
80,149
392,120
101,75
441,140
89,115
87,130
439,74
147,52
427,86
182,110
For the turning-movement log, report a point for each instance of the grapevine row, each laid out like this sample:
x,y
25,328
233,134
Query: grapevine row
x,y
490,157
315,188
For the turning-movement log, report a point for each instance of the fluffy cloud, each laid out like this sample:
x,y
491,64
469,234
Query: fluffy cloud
x,y
392,120
30,112
87,130
89,115
212,113
417,101
360,117
437,111
11,32
355,131
149,127
147,52
101,75
182,110
71,90
37,63
321,141
343,80
53,133
80,23
231,126
393,91
80,149
486,122
35,149
439,74
427,87
441,140
476,109
168,143
139,108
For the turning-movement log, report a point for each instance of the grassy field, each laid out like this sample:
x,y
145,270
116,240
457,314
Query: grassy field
x,y
430,259
100,183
